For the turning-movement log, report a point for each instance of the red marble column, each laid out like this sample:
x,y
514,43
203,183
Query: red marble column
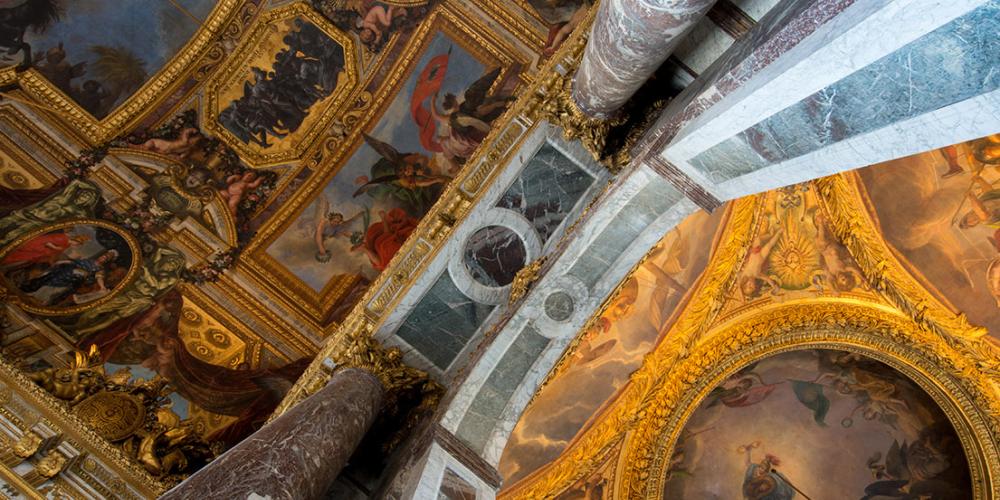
x,y
298,455
628,42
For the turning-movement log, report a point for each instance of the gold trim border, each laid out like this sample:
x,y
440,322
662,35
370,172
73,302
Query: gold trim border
x,y
235,69
877,332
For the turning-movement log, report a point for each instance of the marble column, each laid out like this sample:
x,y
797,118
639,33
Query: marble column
x,y
628,42
298,455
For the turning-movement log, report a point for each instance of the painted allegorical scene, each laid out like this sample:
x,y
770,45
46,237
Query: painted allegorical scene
x,y
97,68
70,266
819,424
365,213
941,211
794,252
275,99
613,347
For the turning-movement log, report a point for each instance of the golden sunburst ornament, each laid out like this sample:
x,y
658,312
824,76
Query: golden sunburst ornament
x,y
795,259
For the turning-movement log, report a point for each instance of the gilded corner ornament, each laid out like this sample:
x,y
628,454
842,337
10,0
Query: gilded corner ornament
x,y
524,279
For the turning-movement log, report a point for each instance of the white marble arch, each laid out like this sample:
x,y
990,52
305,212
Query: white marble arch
x,y
532,311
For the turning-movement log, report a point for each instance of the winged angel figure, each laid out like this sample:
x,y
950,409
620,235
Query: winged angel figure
x,y
406,178
326,225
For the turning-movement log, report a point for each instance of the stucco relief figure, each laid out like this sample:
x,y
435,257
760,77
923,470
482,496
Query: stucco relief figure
x,y
374,21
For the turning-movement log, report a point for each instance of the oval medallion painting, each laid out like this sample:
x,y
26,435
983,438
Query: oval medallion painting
x,y
65,267
818,424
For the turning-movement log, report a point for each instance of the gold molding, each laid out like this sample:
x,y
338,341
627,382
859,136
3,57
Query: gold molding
x,y
878,332
152,92
271,274
59,417
944,355
496,150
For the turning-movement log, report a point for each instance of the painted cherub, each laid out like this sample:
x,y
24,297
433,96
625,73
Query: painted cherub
x,y
752,278
842,274
237,187
376,22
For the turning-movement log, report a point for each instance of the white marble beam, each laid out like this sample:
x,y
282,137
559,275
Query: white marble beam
x,y
822,87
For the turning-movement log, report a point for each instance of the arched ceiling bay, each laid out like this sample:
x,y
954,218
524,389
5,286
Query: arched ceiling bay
x,y
925,251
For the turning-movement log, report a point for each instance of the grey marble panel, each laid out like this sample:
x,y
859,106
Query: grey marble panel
x,y
953,63
487,407
442,323
547,190
654,199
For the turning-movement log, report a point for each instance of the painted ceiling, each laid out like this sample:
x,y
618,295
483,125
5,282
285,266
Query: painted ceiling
x,y
204,190
917,236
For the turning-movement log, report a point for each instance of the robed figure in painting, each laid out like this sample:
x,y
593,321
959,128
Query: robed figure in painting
x,y
762,481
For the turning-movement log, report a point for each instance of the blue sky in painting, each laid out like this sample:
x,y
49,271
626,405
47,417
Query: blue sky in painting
x,y
154,29
295,248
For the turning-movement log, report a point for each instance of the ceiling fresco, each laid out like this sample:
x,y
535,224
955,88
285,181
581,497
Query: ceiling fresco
x,y
767,429
940,211
790,249
612,347
98,68
196,194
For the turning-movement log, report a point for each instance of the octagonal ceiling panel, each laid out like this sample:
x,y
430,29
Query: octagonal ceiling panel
x,y
281,86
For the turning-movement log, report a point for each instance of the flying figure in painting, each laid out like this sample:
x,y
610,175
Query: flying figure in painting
x,y
406,177
326,225
464,120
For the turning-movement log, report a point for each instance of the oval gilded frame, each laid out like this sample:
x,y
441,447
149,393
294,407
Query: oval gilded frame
x,y
13,295
952,381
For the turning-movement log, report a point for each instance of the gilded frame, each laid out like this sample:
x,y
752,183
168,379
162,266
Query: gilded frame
x,y
903,326
153,92
17,297
235,70
877,332
268,271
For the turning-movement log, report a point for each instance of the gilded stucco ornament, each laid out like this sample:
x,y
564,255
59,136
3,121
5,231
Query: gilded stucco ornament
x,y
903,327
524,279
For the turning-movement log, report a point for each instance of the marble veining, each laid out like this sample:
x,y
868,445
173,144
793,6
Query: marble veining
x,y
547,190
488,405
493,256
298,455
955,62
443,322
